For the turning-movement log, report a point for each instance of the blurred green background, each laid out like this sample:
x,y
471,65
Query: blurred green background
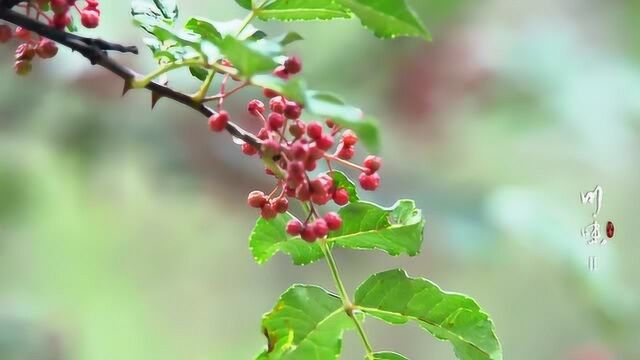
x,y
123,232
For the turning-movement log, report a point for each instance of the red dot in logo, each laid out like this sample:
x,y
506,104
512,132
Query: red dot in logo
x,y
610,229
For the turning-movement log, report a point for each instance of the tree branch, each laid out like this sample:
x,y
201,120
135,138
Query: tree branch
x,y
95,50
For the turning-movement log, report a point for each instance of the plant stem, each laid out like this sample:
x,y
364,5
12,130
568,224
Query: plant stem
x,y
247,20
346,302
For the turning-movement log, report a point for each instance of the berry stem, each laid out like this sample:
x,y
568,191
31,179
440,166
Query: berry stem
x,y
330,157
346,302
227,94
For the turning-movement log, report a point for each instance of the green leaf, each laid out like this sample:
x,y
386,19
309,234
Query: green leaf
x,y
288,38
203,27
387,18
388,355
395,230
293,89
198,72
306,323
248,59
168,8
146,14
269,237
288,10
396,298
329,105
341,181
244,3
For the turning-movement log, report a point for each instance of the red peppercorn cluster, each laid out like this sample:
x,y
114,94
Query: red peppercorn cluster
x,y
292,149
57,13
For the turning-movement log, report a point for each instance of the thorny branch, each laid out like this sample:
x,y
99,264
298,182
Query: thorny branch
x,y
95,50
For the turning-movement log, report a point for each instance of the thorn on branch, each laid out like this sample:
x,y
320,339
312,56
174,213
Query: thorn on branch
x,y
154,99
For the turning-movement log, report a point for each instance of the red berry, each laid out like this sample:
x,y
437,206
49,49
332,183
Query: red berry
x,y
25,52
297,129
5,33
317,186
308,234
330,123
334,221
372,163
341,197
310,165
271,147
59,6
320,199
295,168
314,130
89,18
345,152
302,192
320,228
293,65
263,134
299,151
315,153
275,121
325,142
268,212
294,227
269,93
248,149
255,106
256,199
23,33
46,49
369,182
281,72
217,122
281,205
292,110
61,20
277,104
22,67
349,138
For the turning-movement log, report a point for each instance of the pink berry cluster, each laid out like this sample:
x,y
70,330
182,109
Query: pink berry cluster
x,y
57,13
295,148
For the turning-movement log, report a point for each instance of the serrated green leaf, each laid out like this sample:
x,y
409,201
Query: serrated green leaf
x,y
365,226
395,230
246,57
293,89
245,4
341,181
269,237
396,298
289,10
387,18
388,355
306,323
288,38
330,106
168,8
